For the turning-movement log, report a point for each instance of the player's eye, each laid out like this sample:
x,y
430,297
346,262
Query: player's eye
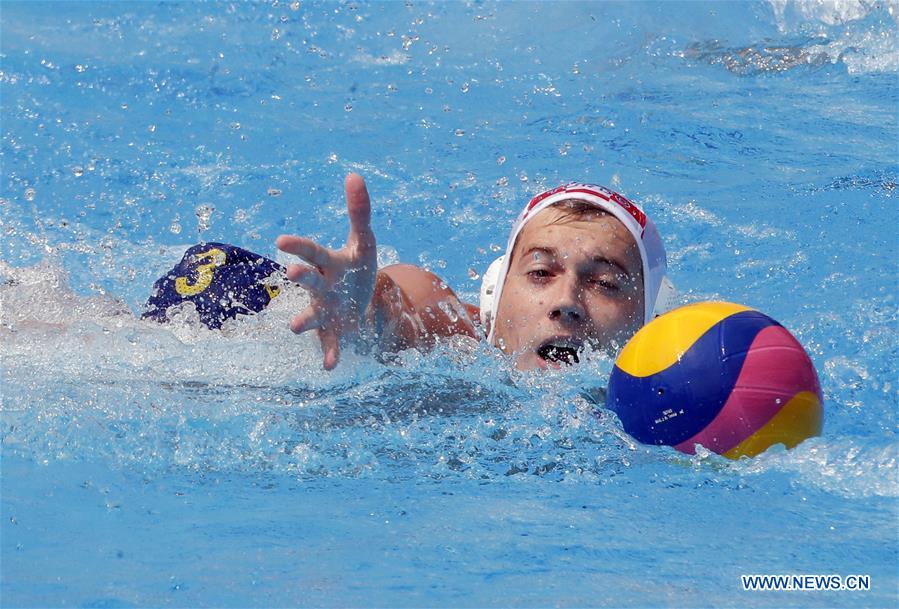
x,y
605,283
539,275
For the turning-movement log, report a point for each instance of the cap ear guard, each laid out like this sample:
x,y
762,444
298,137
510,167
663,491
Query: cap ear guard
x,y
666,299
488,291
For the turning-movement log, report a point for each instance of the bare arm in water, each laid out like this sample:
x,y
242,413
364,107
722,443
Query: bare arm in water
x,y
400,306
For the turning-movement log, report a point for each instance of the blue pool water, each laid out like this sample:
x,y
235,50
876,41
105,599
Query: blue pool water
x,y
145,465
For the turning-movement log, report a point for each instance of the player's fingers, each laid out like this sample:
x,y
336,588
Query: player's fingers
x,y
307,249
304,320
358,206
308,277
330,348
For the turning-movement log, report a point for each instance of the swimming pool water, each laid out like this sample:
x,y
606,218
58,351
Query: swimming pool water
x,y
147,465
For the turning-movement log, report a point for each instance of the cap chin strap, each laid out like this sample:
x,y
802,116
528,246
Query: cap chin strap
x,y
665,301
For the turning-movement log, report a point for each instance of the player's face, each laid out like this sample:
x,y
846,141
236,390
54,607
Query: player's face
x,y
572,282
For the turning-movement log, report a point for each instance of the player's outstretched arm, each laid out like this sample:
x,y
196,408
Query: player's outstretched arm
x,y
402,306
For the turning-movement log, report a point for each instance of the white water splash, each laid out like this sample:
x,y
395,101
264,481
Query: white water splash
x,y
827,12
850,30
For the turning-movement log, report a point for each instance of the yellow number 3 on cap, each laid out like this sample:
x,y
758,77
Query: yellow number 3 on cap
x,y
216,258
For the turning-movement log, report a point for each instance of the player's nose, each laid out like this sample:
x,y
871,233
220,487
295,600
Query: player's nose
x,y
567,305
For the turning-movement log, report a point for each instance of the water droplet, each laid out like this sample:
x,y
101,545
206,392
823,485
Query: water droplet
x,y
175,227
348,108
332,158
295,6
448,310
500,160
80,68
465,87
273,192
235,126
124,106
429,90
459,132
408,40
473,274
203,213
391,88
276,33
523,177
78,171
29,194
152,128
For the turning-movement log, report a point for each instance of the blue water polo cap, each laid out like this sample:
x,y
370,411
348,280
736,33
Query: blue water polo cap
x,y
222,281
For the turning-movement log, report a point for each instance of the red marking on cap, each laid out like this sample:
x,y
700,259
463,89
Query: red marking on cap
x,y
632,209
590,191
542,196
597,191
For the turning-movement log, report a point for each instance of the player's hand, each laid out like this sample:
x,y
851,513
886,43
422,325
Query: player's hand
x,y
340,282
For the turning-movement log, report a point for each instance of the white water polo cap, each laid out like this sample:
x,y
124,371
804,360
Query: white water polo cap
x,y
659,293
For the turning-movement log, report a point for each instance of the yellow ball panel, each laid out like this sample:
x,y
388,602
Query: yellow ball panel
x,y
800,418
663,341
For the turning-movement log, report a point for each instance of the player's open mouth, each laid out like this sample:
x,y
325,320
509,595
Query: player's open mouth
x,y
562,351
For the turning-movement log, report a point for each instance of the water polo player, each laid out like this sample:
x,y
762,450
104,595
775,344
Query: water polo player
x,y
583,266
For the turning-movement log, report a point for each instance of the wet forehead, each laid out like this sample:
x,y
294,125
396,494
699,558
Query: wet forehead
x,y
588,235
